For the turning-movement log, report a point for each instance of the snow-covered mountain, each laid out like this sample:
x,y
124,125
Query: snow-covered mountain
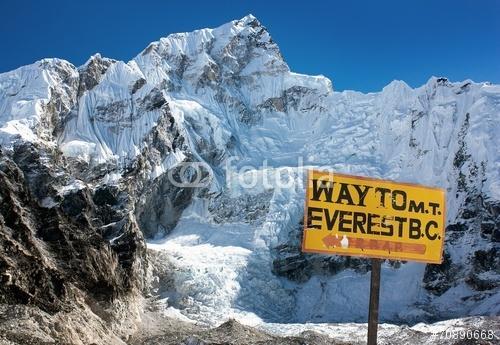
x,y
229,246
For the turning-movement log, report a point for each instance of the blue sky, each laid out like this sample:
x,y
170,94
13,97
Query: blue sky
x,y
360,45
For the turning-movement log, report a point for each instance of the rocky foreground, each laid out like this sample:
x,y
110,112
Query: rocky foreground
x,y
156,329
164,331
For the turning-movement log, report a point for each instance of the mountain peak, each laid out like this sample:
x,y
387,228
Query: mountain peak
x,y
249,20
240,48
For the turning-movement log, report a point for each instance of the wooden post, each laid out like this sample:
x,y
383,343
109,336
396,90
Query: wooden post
x,y
374,296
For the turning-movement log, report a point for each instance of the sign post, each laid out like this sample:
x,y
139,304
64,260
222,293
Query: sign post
x,y
373,307
378,219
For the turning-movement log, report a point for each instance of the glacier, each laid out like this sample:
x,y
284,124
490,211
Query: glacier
x,y
233,104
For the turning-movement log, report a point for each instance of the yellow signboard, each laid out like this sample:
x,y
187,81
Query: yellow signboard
x,y
360,216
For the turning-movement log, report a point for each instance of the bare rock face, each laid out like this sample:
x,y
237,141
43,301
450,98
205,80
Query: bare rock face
x,y
91,73
27,276
55,254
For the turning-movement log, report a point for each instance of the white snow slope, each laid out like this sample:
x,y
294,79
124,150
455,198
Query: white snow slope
x,y
247,116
